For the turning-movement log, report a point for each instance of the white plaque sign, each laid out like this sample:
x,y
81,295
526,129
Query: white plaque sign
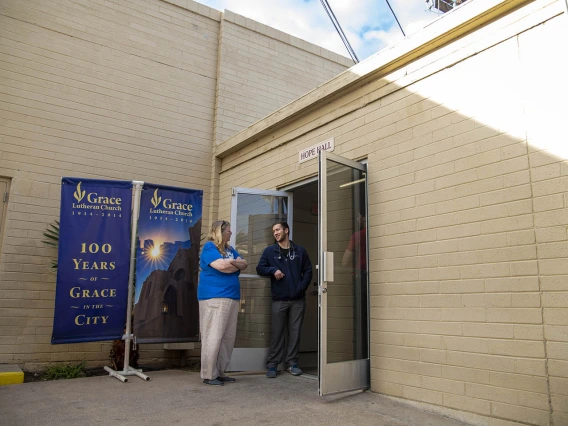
x,y
313,151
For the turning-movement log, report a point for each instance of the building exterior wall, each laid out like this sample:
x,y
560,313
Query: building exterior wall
x,y
114,90
261,69
468,169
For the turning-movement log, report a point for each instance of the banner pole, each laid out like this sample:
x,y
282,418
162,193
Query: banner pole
x,y
127,370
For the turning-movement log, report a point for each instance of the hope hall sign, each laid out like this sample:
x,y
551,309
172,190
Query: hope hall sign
x,y
313,151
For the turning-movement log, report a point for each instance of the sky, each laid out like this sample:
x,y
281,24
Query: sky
x,y
368,24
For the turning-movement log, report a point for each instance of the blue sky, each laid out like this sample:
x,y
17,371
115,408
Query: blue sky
x,y
368,24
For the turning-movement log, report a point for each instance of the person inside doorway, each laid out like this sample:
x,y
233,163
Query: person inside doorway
x,y
355,254
290,270
355,258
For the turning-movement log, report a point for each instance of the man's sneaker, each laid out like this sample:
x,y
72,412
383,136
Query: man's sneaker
x,y
294,370
271,373
214,382
226,379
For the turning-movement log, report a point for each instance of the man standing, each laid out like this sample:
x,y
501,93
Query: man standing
x,y
290,272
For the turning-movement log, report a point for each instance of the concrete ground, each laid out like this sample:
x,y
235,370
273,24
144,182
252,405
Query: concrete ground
x,y
179,397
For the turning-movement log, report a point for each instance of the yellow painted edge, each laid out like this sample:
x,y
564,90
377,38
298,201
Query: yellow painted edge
x,y
11,378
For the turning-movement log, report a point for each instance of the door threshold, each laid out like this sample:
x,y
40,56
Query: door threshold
x,y
309,376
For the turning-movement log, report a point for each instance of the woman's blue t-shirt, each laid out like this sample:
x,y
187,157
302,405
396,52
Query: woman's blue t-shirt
x,y
214,283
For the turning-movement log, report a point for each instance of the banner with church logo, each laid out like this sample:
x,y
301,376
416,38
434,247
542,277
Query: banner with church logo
x,y
167,265
93,263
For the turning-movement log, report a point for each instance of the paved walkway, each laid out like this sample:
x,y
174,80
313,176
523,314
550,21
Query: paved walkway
x,y
179,397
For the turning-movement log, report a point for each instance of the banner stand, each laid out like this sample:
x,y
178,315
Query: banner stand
x,y
128,370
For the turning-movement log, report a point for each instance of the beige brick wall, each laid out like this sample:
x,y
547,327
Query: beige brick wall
x,y
548,160
96,89
262,69
116,90
467,216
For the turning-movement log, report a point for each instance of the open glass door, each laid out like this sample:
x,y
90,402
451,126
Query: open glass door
x,y
253,212
343,284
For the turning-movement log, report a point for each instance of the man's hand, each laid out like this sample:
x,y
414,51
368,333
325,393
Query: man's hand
x,y
278,275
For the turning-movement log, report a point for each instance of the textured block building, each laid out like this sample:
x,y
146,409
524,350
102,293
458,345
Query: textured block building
x,y
135,90
449,150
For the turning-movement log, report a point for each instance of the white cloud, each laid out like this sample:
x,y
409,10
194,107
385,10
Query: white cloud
x,y
368,24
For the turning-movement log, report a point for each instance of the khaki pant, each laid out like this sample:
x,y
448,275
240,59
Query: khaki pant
x,y
218,327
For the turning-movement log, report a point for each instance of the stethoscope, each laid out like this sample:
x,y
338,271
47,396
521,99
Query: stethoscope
x,y
291,253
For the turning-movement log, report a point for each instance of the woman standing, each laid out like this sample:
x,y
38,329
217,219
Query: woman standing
x,y
218,292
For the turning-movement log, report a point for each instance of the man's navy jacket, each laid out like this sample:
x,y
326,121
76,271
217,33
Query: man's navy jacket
x,y
296,267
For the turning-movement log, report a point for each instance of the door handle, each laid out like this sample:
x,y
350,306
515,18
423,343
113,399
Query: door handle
x,y
324,290
328,266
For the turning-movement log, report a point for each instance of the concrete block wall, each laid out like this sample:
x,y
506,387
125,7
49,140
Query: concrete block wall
x,y
96,89
467,159
547,140
114,90
262,69
456,312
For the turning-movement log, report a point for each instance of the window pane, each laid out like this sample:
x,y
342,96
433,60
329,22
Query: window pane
x,y
346,236
253,323
255,216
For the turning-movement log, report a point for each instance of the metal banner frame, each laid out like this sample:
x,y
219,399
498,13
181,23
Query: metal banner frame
x,y
128,337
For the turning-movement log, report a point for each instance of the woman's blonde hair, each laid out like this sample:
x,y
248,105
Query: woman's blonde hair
x,y
216,235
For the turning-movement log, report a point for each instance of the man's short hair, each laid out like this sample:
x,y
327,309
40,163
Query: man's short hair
x,y
283,224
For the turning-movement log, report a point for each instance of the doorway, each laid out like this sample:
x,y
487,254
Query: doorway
x,y
327,216
305,234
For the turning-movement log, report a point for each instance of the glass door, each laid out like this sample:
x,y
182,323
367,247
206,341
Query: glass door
x,y
253,212
343,276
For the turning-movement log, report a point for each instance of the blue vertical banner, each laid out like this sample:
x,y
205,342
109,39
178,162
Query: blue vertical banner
x,y
94,258
167,264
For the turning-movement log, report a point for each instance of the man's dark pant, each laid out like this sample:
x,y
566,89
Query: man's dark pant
x,y
287,317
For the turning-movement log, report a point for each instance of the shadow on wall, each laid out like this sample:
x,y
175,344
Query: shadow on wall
x,y
468,210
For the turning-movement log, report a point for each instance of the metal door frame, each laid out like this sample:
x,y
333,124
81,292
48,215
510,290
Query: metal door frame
x,y
252,359
254,191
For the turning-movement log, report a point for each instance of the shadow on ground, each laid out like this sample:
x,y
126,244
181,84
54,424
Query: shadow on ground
x,y
179,397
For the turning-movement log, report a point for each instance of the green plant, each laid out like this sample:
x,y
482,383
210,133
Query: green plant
x,y
65,371
117,354
52,235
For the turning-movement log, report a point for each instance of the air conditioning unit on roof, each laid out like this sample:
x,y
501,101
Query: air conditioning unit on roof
x,y
444,5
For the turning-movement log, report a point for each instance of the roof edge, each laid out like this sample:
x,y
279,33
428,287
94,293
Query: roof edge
x,y
467,17
195,7
284,37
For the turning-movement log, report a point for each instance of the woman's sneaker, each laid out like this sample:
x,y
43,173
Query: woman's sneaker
x,y
294,370
271,373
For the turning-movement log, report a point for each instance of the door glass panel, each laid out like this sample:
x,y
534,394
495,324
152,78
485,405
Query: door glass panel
x,y
253,213
253,322
256,214
346,238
